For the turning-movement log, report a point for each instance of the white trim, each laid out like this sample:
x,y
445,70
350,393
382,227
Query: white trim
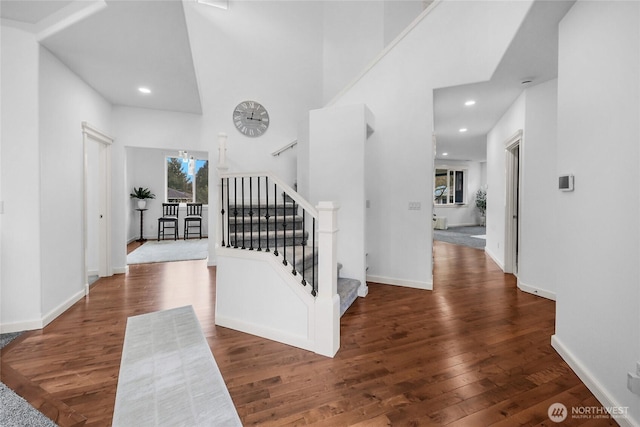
x,y
401,282
536,291
268,333
91,133
515,141
385,51
494,258
121,270
31,325
590,381
51,316
28,325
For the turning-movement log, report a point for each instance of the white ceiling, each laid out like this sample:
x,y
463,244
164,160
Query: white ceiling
x,y
118,48
532,55
118,45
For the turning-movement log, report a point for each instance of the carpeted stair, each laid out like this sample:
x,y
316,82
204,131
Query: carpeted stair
x,y
264,227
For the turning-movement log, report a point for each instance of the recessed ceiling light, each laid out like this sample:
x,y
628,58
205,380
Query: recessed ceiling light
x,y
445,154
144,90
470,102
463,129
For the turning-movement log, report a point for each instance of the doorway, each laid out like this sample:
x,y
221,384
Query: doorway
x,y
96,204
513,150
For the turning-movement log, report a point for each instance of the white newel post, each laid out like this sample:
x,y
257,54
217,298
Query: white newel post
x,y
223,168
327,301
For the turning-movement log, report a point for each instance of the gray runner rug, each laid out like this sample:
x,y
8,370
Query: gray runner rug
x,y
168,376
169,250
14,410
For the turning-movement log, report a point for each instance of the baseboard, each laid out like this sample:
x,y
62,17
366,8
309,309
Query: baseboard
x,y
92,272
494,258
536,291
30,325
400,282
121,270
261,331
49,317
589,380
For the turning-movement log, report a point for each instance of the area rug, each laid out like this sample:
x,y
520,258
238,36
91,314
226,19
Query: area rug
x,y
169,250
168,376
472,236
14,410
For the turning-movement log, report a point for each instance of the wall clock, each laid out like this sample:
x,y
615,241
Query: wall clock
x,y
251,118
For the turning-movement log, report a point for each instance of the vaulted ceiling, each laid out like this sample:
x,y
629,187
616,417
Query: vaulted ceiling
x,y
118,46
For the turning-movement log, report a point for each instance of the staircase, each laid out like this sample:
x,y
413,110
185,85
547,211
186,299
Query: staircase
x,y
280,229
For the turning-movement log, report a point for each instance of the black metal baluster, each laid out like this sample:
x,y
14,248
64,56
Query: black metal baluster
x,y
284,228
235,212
294,211
314,286
275,219
251,211
243,221
222,210
266,191
228,217
304,261
259,218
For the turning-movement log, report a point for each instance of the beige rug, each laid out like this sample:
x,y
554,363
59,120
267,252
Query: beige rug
x,y
168,376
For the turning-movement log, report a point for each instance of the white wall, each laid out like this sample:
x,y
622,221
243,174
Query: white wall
x,y
398,15
21,249
539,187
467,214
270,52
598,298
337,146
353,36
355,32
65,102
511,122
399,92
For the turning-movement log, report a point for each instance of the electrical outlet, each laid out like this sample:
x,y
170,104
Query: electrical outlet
x,y
415,206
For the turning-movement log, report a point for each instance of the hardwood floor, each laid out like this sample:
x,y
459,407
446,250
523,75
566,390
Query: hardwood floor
x,y
474,352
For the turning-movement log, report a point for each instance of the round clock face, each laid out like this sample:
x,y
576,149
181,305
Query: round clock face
x,y
251,118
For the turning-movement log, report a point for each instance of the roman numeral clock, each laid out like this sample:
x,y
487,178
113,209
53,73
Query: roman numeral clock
x,y
251,118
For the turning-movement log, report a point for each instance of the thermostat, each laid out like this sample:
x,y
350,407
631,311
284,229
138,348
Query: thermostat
x,y
565,182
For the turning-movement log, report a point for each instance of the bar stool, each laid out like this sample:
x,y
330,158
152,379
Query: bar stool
x,y
194,215
168,220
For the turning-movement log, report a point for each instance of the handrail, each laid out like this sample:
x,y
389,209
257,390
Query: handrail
x,y
285,148
287,189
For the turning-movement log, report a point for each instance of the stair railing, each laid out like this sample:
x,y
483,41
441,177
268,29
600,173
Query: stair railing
x,y
259,212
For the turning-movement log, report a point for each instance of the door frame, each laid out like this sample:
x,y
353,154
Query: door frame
x,y
91,134
513,186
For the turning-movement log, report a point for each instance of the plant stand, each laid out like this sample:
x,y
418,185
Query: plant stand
x,y
141,239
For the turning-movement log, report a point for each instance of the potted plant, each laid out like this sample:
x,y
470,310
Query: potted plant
x,y
481,204
142,194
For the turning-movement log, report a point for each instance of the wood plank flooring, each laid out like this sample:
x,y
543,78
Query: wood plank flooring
x,y
474,352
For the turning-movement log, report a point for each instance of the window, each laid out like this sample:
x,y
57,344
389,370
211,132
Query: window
x,y
187,180
449,188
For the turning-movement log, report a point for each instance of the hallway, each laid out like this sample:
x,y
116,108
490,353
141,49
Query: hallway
x,y
474,352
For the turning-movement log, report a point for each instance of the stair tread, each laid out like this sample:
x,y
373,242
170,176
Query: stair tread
x,y
348,292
